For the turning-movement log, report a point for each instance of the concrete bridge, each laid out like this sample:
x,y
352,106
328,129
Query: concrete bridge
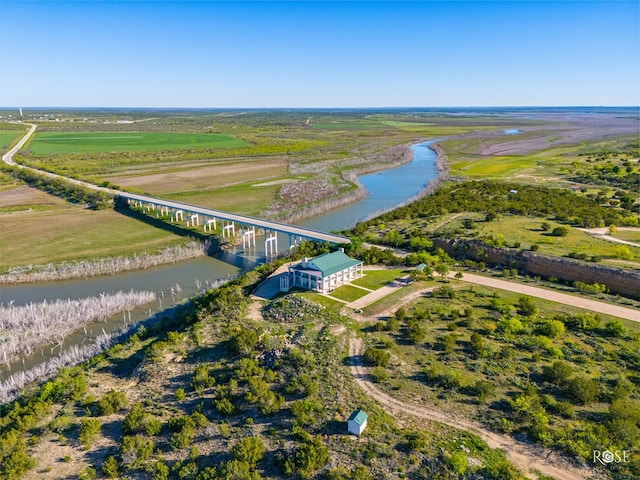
x,y
230,223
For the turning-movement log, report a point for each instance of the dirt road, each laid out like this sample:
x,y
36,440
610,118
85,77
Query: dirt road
x,y
524,456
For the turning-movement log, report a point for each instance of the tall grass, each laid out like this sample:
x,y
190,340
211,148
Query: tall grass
x,y
103,266
25,328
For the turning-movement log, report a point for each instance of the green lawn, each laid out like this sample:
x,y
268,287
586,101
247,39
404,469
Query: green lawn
x,y
348,293
49,143
374,279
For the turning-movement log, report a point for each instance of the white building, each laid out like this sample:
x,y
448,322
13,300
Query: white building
x,y
323,273
357,422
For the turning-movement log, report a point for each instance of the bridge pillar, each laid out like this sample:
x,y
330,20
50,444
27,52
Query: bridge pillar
x,y
229,227
208,223
294,240
270,243
179,215
249,234
194,219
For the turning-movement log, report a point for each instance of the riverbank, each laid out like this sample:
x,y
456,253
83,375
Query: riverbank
x,y
105,266
442,167
289,212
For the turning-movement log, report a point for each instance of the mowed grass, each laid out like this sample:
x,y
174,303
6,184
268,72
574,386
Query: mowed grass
x,y
49,143
348,293
7,137
72,233
374,279
496,167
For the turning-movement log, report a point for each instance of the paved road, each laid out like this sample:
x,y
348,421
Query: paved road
x,y
553,296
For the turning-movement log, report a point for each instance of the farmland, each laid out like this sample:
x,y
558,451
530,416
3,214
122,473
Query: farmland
x,y
49,143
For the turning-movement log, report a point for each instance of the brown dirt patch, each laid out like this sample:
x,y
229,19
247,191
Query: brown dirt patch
x,y
24,195
203,178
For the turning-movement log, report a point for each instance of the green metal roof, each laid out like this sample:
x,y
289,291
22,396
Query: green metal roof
x,y
333,262
359,417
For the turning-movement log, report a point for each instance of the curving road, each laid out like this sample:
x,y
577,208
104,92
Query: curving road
x,y
8,157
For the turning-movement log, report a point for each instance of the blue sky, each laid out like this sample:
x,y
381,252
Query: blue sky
x,y
319,54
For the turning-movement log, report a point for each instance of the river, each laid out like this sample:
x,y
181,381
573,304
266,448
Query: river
x,y
175,282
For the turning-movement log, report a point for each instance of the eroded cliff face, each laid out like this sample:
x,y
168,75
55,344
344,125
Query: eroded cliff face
x,y
617,280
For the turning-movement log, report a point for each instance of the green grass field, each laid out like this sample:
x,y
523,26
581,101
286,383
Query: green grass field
x,y
348,293
374,279
7,137
49,143
72,233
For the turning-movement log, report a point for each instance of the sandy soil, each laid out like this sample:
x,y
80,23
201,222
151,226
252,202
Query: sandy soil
x,y
527,457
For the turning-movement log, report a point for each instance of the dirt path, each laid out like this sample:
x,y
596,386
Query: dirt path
x,y
550,295
524,456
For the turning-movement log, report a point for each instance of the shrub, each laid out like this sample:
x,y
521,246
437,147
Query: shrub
x,y
136,450
88,473
558,373
584,390
553,328
560,232
614,328
89,431
112,402
110,467
376,357
201,378
250,450
180,395
379,374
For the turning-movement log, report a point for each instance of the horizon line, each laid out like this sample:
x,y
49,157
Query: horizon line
x,y
17,107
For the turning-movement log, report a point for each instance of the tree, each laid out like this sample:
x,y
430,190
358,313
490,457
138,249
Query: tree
x,y
558,373
442,269
526,306
546,226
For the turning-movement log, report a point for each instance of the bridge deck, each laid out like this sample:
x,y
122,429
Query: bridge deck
x,y
242,219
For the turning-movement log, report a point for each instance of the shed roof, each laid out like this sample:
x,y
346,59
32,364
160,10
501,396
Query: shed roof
x,y
359,417
334,262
